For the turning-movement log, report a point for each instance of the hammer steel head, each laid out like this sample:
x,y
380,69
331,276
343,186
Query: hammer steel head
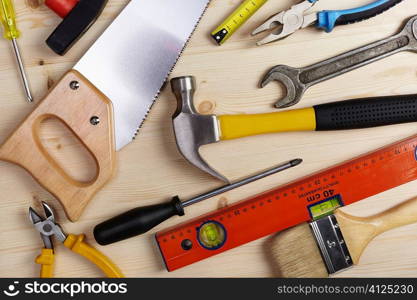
x,y
193,130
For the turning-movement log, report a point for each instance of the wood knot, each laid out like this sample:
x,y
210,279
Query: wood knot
x,y
41,62
206,107
50,83
33,3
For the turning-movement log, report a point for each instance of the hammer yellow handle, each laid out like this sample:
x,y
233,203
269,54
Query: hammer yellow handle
x,y
237,126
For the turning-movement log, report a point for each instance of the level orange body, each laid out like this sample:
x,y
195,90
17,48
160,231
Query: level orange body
x,y
292,204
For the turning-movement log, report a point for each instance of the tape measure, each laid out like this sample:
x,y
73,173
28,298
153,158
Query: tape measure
x,y
301,201
223,32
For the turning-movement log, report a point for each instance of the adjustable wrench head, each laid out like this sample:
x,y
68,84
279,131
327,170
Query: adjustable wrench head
x,y
288,77
193,130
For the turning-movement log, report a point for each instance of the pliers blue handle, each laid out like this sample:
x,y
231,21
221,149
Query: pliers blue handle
x,y
328,19
297,18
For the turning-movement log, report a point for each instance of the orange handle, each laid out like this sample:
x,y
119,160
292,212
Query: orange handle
x,y
74,101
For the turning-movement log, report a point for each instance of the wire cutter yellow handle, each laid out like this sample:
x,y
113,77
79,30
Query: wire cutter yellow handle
x,y
76,245
46,260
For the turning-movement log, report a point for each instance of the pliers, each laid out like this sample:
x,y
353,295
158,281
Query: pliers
x,y
48,228
296,18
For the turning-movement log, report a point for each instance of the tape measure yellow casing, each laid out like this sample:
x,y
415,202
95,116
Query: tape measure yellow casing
x,y
247,9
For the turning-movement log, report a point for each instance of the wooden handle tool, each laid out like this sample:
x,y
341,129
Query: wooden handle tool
x,y
89,115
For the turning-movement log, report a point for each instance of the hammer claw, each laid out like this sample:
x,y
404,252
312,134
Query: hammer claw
x,y
196,159
193,130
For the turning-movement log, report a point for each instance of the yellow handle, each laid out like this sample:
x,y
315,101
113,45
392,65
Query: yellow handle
x,y
76,244
237,126
46,260
8,18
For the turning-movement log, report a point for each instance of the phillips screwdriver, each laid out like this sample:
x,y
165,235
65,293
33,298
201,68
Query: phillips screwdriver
x,y
142,219
8,18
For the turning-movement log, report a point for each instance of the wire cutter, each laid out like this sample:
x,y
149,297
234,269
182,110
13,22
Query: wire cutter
x,y
297,17
48,228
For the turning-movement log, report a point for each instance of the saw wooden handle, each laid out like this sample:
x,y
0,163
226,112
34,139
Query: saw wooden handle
x,y
74,101
359,231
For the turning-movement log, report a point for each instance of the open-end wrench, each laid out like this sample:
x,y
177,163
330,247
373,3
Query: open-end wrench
x,y
298,80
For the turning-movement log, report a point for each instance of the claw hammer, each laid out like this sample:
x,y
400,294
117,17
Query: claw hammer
x,y
193,130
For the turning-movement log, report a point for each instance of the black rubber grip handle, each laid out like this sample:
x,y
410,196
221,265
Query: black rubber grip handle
x,y
367,14
365,113
136,221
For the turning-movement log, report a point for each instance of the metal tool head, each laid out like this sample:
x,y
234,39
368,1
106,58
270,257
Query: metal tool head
x,y
46,226
193,130
410,30
133,58
286,22
298,80
289,78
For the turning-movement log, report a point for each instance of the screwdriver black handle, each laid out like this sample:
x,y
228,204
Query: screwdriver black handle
x,y
368,112
136,221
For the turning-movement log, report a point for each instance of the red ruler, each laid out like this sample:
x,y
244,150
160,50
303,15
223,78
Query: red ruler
x,y
289,205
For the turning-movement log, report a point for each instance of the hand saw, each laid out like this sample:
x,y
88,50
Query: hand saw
x,y
304,200
106,97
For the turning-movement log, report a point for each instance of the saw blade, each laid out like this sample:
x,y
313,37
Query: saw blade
x,y
133,58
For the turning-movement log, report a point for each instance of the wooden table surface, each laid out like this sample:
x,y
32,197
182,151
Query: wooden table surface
x,y
150,170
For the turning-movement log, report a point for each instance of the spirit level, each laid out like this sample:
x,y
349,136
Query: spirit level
x,y
232,23
301,201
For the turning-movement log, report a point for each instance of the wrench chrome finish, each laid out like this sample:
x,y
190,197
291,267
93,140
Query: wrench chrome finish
x,y
298,80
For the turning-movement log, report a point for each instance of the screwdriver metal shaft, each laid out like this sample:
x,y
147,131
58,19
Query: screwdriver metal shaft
x,y
22,71
8,19
229,187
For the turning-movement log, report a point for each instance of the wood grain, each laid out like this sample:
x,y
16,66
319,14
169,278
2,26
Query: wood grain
x,y
151,170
